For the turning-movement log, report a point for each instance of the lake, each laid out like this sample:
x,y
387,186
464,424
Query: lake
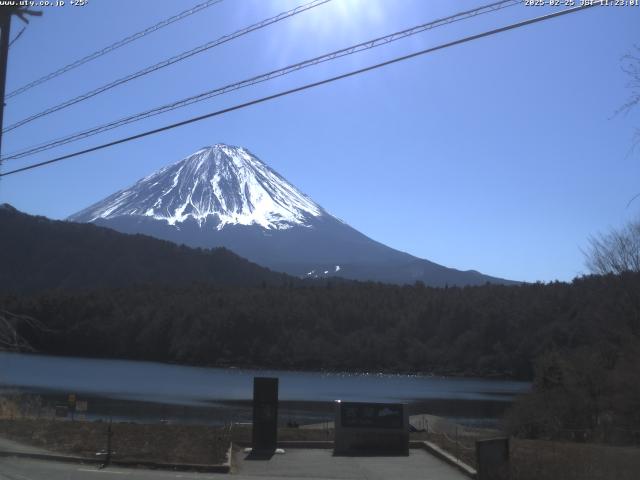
x,y
148,391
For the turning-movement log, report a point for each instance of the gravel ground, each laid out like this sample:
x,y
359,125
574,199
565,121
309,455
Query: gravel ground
x,y
131,442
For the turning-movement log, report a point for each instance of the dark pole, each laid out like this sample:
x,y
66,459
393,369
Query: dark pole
x,y
5,25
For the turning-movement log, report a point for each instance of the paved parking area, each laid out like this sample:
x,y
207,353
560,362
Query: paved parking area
x,y
296,463
320,464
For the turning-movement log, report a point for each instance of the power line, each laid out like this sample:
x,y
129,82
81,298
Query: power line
x,y
263,77
17,36
303,87
113,46
169,61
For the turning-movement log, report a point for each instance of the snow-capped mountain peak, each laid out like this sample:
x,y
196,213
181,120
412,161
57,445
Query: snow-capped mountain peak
x,y
223,184
224,196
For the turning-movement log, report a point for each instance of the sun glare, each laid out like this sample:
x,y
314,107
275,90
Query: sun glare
x,y
340,15
346,20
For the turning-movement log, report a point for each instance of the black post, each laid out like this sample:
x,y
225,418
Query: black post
x,y
109,436
107,457
265,414
5,25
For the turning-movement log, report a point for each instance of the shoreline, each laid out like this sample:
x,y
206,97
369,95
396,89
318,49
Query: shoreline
x,y
442,374
216,412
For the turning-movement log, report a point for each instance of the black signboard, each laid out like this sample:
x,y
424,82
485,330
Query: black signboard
x,y
372,415
265,413
493,459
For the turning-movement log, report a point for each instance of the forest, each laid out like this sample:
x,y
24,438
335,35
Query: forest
x,y
488,331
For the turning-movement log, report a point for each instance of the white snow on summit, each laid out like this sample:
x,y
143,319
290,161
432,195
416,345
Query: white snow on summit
x,y
225,183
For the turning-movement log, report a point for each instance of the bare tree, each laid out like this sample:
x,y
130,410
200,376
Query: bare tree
x,y
631,66
615,252
10,326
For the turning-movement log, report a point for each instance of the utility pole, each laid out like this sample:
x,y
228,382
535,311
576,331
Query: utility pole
x,y
5,25
6,12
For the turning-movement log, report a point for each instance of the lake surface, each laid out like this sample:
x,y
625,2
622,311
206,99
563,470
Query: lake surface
x,y
150,391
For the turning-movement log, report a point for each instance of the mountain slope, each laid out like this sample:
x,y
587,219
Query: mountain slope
x,y
226,196
37,253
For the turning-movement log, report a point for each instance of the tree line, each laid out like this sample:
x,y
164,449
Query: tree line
x,y
487,330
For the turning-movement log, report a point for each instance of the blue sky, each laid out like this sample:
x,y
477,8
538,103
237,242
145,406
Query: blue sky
x,y
501,155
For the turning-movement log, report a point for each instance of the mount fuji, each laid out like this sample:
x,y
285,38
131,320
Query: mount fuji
x,y
225,196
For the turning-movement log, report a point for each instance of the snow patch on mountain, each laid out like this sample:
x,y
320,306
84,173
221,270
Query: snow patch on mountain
x,y
226,184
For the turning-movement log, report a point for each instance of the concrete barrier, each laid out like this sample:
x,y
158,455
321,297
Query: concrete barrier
x,y
371,428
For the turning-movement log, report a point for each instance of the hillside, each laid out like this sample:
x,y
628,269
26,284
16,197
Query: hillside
x,y
37,253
